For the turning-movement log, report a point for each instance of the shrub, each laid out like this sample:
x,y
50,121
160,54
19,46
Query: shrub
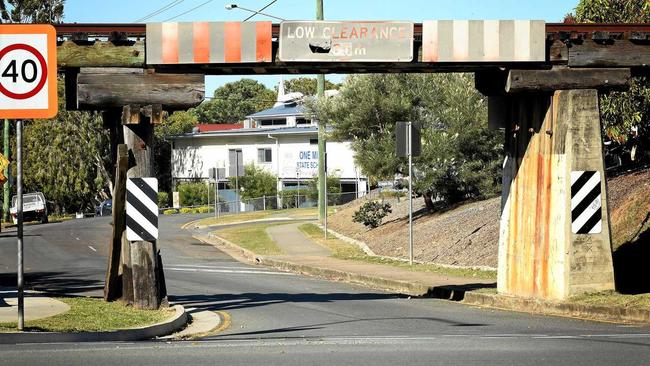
x,y
371,213
163,199
170,212
187,210
193,194
289,200
204,209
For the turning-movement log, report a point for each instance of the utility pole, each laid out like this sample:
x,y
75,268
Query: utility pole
x,y
6,205
320,91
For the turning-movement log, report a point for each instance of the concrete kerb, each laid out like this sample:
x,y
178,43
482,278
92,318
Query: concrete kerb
x,y
401,287
251,222
562,309
169,326
453,293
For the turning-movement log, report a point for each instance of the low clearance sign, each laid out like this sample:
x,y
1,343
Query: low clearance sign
x,y
302,41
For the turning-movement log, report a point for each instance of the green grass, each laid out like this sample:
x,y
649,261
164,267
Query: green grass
x,y
90,314
253,238
343,250
613,299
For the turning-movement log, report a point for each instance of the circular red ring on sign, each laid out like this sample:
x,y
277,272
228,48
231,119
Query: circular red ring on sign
x,y
41,60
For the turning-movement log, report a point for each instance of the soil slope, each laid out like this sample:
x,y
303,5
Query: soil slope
x,y
468,234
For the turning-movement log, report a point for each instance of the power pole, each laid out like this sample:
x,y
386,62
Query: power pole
x,y
320,91
7,186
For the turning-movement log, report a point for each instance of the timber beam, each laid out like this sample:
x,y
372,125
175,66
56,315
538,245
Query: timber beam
x,y
562,78
103,89
81,53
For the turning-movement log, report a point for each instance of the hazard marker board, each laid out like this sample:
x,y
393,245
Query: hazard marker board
x,y
28,86
586,203
142,209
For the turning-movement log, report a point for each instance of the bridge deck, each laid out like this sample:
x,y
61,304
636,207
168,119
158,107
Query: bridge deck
x,y
572,45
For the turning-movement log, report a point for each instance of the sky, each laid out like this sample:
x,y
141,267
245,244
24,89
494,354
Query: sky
x,y
130,11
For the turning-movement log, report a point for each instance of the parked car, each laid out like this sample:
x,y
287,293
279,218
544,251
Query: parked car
x,y
104,209
34,208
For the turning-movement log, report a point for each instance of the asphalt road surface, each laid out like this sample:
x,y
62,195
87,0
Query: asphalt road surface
x,y
284,319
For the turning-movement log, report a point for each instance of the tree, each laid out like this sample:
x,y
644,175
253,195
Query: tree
x,y
460,157
67,158
178,123
32,11
333,189
234,101
620,111
306,86
256,182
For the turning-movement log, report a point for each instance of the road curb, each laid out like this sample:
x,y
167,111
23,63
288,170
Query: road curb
x,y
563,309
400,287
453,293
177,322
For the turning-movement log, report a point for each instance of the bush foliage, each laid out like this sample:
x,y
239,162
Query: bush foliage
x,y
193,194
371,213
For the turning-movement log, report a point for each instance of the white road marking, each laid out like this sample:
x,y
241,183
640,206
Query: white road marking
x,y
77,238
228,271
91,248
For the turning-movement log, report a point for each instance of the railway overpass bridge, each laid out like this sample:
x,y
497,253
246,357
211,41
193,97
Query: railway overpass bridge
x,y
542,82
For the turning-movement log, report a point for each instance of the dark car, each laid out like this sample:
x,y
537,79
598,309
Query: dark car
x,y
104,209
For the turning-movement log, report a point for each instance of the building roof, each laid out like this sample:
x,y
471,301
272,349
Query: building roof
x,y
210,127
312,130
291,109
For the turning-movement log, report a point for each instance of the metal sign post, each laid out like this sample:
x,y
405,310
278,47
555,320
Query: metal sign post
x,y
410,152
28,89
325,217
408,144
19,216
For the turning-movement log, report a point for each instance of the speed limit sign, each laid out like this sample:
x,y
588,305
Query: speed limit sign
x,y
28,71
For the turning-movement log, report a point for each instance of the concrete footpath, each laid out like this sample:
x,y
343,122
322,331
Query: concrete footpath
x,y
36,307
303,255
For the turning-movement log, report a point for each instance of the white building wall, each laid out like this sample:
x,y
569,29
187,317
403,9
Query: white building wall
x,y
293,156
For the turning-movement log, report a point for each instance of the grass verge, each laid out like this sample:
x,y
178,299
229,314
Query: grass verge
x,y
613,299
343,250
93,315
253,238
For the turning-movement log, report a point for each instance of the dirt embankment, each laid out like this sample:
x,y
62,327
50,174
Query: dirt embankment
x,y
468,234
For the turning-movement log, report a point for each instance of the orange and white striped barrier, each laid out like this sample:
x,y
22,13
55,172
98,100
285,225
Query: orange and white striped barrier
x,y
208,42
483,41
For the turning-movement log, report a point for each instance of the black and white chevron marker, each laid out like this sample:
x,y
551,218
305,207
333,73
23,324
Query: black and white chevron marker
x,y
586,204
142,209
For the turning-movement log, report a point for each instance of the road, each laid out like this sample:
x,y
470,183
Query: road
x,y
285,319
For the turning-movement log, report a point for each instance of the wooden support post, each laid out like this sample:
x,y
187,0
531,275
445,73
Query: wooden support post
x,y
148,277
550,140
113,285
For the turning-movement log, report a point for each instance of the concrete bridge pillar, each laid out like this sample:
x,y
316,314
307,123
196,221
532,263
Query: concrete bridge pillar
x,y
554,237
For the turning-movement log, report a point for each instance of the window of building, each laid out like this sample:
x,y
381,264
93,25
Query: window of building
x,y
313,141
264,155
273,122
302,121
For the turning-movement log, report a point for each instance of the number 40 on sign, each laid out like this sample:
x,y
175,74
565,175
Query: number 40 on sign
x,y
27,71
